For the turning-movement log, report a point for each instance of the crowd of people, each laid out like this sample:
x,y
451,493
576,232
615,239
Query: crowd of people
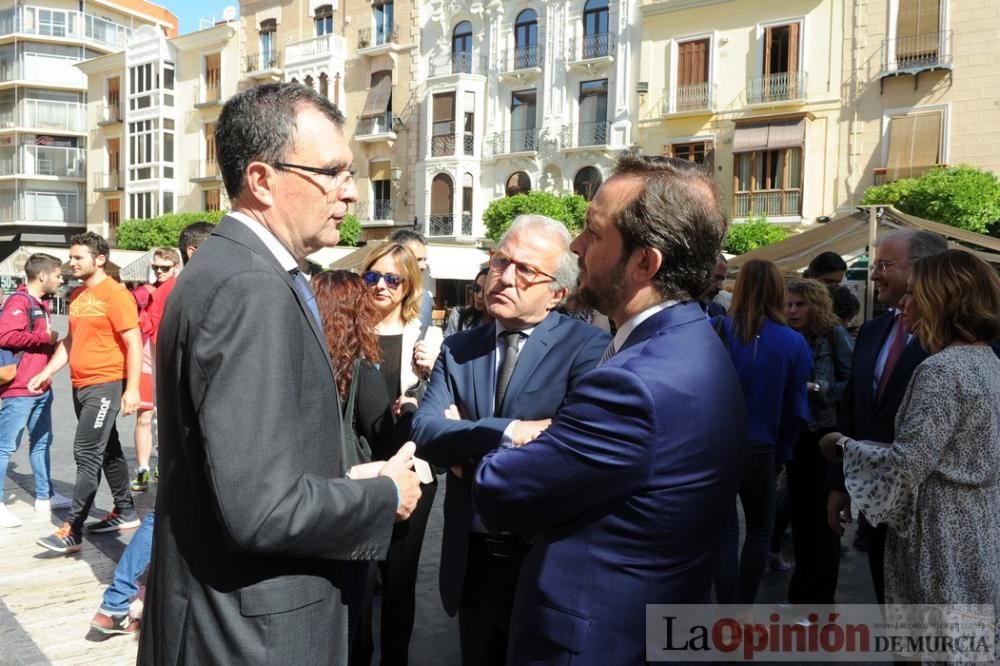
x,y
572,409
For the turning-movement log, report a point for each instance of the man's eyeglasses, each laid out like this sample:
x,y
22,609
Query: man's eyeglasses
x,y
527,275
392,280
880,266
160,268
340,176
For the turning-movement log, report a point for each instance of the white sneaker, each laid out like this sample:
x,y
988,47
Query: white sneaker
x,y
7,519
57,501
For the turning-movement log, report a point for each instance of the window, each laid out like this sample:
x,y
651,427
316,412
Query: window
x,y
142,148
212,200
168,203
213,77
918,33
376,117
692,76
114,217
141,85
385,28
114,98
141,205
586,182
526,39
768,168
461,49
914,143
699,152
323,20
782,78
517,183
268,54
443,125
308,82
442,200
467,204
523,133
114,151
469,127
595,29
324,85
593,129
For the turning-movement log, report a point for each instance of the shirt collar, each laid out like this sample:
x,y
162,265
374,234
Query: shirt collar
x,y
498,329
271,241
626,330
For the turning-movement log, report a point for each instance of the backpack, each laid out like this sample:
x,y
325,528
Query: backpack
x,y
8,357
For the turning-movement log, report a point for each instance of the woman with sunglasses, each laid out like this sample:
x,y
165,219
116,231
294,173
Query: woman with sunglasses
x,y
474,313
408,351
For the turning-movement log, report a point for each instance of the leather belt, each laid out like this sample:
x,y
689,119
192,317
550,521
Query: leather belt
x,y
501,545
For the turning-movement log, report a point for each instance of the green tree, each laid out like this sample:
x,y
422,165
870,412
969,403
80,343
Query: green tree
x,y
350,231
161,231
568,209
961,196
754,233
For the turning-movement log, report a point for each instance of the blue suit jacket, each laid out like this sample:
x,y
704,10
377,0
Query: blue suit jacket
x,y
557,353
624,492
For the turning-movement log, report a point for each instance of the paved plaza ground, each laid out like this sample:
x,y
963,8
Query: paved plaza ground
x,y
48,599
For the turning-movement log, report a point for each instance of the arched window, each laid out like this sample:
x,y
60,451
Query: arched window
x,y
461,48
323,20
441,222
526,39
308,82
586,182
595,29
324,85
518,183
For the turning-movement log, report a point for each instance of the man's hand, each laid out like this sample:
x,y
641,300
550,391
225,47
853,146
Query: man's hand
x,y
397,407
828,447
525,431
366,470
399,468
452,413
130,402
838,510
423,359
39,383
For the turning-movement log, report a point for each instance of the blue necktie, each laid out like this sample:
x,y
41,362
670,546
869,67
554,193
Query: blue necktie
x,y
306,292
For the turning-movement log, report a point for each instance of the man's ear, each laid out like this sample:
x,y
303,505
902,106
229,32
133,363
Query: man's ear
x,y
645,263
260,179
558,296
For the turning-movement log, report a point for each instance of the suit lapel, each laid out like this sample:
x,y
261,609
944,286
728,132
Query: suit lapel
x,y
482,373
867,355
532,352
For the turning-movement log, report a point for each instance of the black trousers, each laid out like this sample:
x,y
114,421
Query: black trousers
x,y
488,598
817,547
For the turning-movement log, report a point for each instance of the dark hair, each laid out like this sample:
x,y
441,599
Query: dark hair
x,y
845,304
96,244
41,263
193,235
823,263
405,236
470,316
678,212
349,317
258,125
759,293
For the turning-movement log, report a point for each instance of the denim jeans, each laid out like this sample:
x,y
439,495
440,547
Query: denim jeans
x,y
35,414
134,561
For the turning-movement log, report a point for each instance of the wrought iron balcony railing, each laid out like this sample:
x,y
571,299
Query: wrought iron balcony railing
x,y
369,38
445,64
443,139
768,202
515,141
260,62
693,97
588,47
522,57
441,225
780,87
375,124
596,133
916,52
378,209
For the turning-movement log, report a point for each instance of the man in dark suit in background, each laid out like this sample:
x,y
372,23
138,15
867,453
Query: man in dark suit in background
x,y
529,276
885,356
624,489
256,521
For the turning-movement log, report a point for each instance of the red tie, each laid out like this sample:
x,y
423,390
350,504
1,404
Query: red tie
x,y
898,344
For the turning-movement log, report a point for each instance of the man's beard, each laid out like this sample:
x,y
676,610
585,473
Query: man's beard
x,y
606,295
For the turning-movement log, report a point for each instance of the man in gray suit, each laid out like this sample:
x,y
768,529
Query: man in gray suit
x,y
256,524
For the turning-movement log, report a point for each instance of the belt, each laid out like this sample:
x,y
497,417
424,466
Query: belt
x,y
501,545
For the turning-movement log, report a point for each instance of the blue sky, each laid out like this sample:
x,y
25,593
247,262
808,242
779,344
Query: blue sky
x,y
188,12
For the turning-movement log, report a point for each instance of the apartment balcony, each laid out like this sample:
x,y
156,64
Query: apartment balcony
x,y
772,203
379,210
591,52
440,225
264,66
583,136
322,47
515,142
204,171
109,114
34,161
448,64
376,129
522,64
372,43
32,207
65,24
776,88
45,115
689,99
110,181
52,71
208,95
443,139
916,53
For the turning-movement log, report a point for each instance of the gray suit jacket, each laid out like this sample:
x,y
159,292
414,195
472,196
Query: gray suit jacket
x,y
256,525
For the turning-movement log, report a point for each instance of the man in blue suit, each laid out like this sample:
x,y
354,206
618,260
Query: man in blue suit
x,y
529,275
624,490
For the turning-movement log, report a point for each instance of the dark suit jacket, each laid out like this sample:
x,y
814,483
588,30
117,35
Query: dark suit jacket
x,y
624,492
553,358
255,521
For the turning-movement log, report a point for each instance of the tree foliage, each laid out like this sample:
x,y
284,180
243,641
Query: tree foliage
x,y
568,209
961,196
161,231
350,231
754,233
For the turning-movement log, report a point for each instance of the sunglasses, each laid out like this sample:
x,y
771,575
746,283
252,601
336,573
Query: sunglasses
x,y
392,280
159,268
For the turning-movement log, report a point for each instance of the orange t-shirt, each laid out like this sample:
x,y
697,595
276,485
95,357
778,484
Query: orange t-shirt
x,y
97,317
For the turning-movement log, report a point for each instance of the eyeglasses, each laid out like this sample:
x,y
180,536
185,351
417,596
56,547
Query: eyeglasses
x,y
392,280
526,274
880,266
340,176
160,268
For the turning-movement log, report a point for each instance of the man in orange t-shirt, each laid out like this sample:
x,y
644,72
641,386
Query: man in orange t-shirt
x,y
104,351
